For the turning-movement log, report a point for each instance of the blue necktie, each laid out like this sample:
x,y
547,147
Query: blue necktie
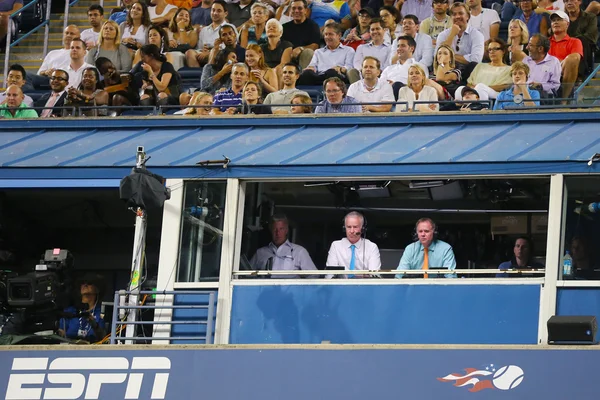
x,y
352,260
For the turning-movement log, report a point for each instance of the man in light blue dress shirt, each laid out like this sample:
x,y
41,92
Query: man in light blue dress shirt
x,y
280,254
439,254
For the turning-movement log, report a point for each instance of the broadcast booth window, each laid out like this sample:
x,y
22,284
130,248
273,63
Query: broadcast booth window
x,y
486,224
201,231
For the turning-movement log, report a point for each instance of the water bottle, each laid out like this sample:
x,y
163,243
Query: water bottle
x,y
567,265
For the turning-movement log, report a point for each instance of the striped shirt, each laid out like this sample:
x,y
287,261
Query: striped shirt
x,y
227,99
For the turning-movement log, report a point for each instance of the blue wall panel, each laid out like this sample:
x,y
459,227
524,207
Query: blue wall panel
x,y
422,314
195,332
578,301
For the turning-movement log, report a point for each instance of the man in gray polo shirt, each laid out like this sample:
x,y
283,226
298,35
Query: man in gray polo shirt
x,y
290,73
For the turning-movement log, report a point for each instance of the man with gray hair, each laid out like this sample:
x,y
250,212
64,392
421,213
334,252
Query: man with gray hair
x,y
545,70
280,254
229,99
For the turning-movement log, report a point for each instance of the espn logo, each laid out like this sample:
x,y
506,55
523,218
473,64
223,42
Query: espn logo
x,y
71,383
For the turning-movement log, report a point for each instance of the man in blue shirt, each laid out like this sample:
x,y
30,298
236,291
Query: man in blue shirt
x,y
229,99
427,252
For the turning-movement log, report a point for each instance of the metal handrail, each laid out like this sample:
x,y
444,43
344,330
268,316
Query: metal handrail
x,y
415,272
209,319
68,5
586,81
9,45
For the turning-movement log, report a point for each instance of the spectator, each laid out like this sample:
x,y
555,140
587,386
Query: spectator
x,y
119,15
121,91
583,26
333,60
520,94
158,79
371,89
135,28
391,19
255,32
485,20
161,13
56,98
593,8
545,70
290,74
420,8
446,77
228,38
336,100
239,13
438,22
284,12
277,52
217,75
536,22
55,58
417,90
228,100
201,14
375,48
491,78
568,50
303,33
467,42
252,100
423,52
7,8
208,35
89,93
17,77
91,36
324,10
360,34
397,74
13,105
471,95
551,5
198,99
518,37
158,37
182,34
522,257
76,64
301,104
259,72
110,46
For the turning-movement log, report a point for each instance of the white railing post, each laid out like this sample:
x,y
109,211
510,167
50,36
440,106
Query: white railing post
x,y
7,52
47,27
66,15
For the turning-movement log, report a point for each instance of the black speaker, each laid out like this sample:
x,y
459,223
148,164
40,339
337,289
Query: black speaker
x,y
579,329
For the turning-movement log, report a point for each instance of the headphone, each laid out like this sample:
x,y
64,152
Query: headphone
x,y
433,225
363,230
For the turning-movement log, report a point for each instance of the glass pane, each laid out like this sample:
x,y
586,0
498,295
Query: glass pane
x,y
201,231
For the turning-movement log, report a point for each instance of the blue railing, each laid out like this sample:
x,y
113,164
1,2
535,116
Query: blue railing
x,y
68,5
9,45
586,81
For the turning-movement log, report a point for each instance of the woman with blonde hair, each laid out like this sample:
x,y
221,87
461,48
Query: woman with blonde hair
x,y
520,95
417,90
109,46
198,99
518,37
301,104
259,72
446,77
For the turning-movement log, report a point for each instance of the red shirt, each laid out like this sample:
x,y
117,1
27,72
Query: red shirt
x,y
564,47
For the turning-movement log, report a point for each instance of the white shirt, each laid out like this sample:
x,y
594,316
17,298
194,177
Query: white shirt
x,y
427,94
140,35
366,255
382,92
483,21
382,53
399,72
89,35
152,11
75,76
55,59
423,52
208,35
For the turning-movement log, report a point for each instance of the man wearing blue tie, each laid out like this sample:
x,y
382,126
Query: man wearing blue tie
x,y
354,252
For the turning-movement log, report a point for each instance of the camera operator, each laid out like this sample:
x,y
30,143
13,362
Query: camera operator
x,y
85,322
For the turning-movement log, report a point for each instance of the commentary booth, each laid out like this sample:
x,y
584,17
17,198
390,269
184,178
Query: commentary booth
x,y
486,179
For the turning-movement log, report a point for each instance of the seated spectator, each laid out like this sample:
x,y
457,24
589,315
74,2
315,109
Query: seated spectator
x,y
120,89
135,28
397,74
491,78
360,34
56,58
333,60
277,52
551,5
301,104
161,13
228,38
119,15
423,52
520,95
536,22
239,12
110,47
522,258
252,101
89,93
583,26
446,77
91,36
471,95
198,57
372,89
259,72
467,41
417,90
568,50
593,8
228,100
391,20
156,77
56,98
283,14
336,100
182,35
583,260
375,48
420,8
7,8
76,63
485,20
303,33
158,37
324,10
17,77
438,22
518,37
254,32
545,70
217,75
198,99
290,74
13,105
201,13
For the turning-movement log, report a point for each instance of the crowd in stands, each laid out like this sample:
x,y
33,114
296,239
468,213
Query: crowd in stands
x,y
362,56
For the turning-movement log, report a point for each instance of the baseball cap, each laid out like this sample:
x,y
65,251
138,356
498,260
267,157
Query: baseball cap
x,y
367,10
563,15
467,89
